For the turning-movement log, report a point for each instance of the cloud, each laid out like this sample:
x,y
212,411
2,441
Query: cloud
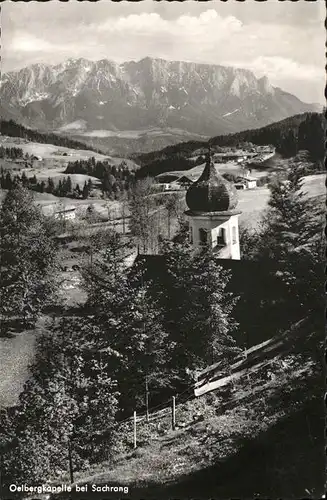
x,y
305,80
29,43
279,68
133,23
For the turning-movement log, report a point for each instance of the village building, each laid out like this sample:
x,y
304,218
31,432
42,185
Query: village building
x,y
185,181
66,213
246,182
174,182
166,178
250,182
59,211
212,213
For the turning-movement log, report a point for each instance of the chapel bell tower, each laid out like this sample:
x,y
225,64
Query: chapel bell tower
x,y
213,219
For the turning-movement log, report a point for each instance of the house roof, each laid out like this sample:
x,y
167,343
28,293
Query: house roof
x,y
65,210
241,269
245,178
185,177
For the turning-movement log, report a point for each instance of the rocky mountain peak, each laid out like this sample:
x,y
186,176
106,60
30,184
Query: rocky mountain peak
x,y
265,85
152,92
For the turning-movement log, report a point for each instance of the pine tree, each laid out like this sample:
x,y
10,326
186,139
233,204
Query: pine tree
x,y
312,136
68,186
8,181
143,343
199,308
290,244
2,180
85,191
128,316
24,180
50,187
286,222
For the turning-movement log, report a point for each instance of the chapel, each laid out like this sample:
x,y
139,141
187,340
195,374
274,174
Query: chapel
x,y
212,214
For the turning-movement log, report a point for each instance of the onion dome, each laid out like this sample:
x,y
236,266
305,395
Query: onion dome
x,y
211,192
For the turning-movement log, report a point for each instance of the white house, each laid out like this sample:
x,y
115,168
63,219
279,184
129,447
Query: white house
x,y
59,211
65,213
249,182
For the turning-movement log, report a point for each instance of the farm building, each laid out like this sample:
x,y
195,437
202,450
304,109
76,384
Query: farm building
x,y
184,181
166,178
66,213
249,182
59,211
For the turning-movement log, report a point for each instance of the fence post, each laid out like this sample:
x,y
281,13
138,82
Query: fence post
x,y
70,462
173,414
134,419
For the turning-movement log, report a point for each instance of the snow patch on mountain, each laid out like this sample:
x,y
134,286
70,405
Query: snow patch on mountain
x,y
202,95
231,113
32,97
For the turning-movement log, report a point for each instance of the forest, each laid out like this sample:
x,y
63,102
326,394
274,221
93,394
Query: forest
x,y
63,188
11,153
13,129
140,324
289,136
114,179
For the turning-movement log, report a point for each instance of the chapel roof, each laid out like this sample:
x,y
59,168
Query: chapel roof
x,y
211,192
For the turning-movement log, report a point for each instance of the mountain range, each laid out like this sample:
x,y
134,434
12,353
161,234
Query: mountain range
x,y
86,98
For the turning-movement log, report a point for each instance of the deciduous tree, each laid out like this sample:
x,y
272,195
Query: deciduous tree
x,y
27,257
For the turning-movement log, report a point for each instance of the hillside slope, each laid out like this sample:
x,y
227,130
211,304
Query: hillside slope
x,y
12,129
262,437
300,132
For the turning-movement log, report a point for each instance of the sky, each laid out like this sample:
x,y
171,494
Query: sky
x,y
283,40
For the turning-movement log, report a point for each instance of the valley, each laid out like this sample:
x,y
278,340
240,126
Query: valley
x,y
162,233
53,160
222,435
129,142
141,198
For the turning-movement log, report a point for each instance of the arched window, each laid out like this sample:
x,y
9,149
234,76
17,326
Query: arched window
x,y
221,238
191,235
203,236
